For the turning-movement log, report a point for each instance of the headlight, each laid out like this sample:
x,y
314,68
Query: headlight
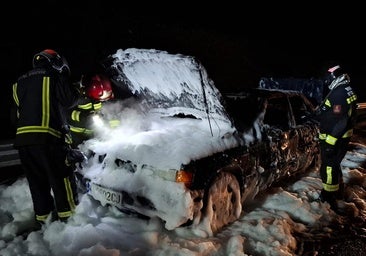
x,y
180,176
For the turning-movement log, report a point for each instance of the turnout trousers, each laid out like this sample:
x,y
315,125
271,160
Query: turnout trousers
x,y
330,169
52,184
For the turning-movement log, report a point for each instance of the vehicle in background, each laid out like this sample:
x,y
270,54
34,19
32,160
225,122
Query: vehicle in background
x,y
312,88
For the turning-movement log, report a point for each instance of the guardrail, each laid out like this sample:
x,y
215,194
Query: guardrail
x,y
8,155
10,165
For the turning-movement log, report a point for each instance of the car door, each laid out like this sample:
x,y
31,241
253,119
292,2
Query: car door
x,y
282,135
305,128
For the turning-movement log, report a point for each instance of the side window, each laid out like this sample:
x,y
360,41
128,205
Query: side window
x,y
277,113
299,109
244,111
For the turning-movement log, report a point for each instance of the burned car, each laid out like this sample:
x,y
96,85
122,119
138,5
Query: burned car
x,y
185,153
279,129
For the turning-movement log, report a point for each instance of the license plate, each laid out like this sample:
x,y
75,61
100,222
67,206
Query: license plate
x,y
106,195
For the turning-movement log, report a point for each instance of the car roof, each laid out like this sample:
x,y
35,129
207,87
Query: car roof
x,y
262,92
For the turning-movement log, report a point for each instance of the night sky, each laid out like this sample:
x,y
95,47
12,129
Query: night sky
x,y
237,48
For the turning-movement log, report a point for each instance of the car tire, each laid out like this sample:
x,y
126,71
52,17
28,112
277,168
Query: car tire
x,y
223,201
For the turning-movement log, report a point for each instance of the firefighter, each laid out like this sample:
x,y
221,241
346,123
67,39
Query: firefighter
x,y
97,90
336,118
41,98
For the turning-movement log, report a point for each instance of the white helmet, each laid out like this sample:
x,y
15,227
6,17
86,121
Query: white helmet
x,y
335,77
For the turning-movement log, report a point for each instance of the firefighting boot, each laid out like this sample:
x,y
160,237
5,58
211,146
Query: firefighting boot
x,y
329,197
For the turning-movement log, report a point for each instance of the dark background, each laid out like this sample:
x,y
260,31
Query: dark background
x,y
237,44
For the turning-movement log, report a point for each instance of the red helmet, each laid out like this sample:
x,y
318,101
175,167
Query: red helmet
x,y
98,87
49,57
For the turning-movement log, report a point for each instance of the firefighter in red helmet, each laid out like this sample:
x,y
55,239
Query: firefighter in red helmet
x,y
97,89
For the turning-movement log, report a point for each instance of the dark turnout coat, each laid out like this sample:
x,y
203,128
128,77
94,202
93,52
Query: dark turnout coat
x,y
337,114
41,97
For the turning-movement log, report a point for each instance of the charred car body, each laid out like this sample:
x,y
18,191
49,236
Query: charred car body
x,y
247,145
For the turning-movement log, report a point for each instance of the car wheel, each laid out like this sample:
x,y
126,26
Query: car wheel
x,y
223,201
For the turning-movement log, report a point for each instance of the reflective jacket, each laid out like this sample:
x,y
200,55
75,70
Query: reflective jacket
x,y
80,119
41,97
337,113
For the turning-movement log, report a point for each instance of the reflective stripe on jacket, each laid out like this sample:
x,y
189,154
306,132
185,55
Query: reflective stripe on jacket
x,y
337,114
40,97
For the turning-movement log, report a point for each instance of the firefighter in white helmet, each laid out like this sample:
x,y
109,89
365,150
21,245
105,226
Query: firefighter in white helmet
x,y
337,119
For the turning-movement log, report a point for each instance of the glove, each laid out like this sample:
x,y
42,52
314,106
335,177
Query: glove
x,y
329,150
80,88
75,156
